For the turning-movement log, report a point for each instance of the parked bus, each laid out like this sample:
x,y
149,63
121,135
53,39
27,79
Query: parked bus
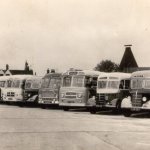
x,y
15,88
77,87
140,94
3,81
111,89
49,91
31,90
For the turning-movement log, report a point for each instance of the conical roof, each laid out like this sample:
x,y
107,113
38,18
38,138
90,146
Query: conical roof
x,y
128,60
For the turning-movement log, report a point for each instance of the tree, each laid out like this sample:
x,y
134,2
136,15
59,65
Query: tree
x,y
107,66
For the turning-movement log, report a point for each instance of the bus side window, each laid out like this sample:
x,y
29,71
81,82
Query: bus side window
x,y
23,85
94,81
127,84
92,87
88,82
121,86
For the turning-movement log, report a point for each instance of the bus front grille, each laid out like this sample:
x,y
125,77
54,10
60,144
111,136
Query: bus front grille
x,y
137,100
100,99
48,94
70,95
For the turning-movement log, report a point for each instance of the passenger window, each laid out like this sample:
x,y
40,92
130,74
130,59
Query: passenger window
x,y
88,82
94,81
23,85
121,86
124,84
127,84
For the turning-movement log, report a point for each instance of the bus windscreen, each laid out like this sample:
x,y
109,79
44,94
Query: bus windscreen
x,y
78,81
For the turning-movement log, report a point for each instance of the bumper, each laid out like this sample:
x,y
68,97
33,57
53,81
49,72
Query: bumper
x,y
73,104
48,102
137,109
13,100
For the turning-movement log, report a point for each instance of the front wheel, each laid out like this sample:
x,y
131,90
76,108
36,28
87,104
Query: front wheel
x,y
43,107
127,113
118,107
93,110
65,108
20,104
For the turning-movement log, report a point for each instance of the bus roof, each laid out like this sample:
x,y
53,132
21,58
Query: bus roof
x,y
83,72
52,74
4,78
117,75
21,77
34,78
143,74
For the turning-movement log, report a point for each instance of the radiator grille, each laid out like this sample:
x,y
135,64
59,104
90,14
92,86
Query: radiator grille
x,y
100,99
137,100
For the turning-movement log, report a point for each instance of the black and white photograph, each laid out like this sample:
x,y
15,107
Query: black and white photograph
x,y
74,75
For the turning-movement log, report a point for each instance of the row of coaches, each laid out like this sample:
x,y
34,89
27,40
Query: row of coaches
x,y
19,88
93,90
72,89
128,93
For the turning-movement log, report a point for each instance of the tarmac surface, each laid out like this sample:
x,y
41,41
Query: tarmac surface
x,y
27,128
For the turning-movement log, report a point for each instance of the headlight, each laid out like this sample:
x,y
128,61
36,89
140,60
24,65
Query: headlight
x,y
56,102
144,99
29,95
62,95
79,95
106,98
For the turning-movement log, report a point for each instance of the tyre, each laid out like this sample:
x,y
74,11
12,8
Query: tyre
x,y
43,107
118,107
127,113
20,104
65,108
93,110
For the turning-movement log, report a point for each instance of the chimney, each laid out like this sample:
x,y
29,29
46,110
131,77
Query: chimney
x,y
7,67
47,70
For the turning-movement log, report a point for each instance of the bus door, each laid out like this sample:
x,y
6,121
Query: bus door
x,y
124,88
90,83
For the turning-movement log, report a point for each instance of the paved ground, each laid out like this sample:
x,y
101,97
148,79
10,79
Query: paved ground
x,y
47,129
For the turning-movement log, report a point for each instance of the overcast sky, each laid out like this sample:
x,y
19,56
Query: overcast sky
x,y
72,33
